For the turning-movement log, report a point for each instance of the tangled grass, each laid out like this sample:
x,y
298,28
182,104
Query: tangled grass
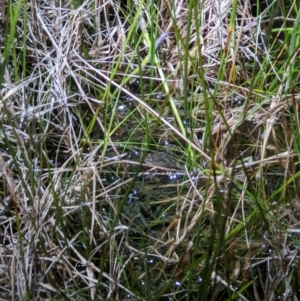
x,y
87,95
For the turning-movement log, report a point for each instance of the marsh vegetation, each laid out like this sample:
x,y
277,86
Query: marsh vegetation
x,y
149,150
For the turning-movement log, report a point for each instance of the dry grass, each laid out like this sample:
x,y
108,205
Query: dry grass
x,y
76,125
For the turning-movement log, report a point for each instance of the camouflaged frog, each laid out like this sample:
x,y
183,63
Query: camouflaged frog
x,y
163,159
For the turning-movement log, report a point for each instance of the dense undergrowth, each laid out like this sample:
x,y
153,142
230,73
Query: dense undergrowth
x,y
149,150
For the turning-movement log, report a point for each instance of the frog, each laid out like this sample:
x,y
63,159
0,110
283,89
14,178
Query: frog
x,y
141,211
147,208
163,159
